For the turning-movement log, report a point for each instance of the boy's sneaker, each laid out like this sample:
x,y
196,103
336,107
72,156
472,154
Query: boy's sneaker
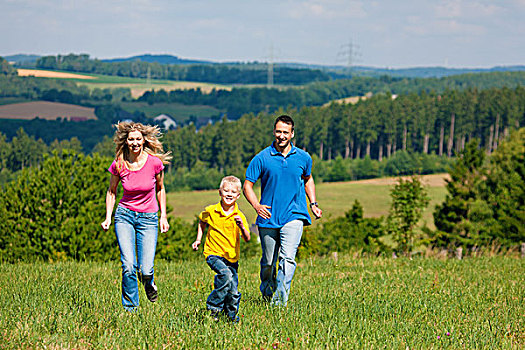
x,y
151,291
215,315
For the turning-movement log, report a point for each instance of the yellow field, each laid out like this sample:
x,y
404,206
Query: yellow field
x,y
50,74
137,86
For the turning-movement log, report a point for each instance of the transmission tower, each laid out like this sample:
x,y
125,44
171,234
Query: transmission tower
x,y
148,76
349,54
270,68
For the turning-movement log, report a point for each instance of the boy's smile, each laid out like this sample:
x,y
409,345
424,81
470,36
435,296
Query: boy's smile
x,y
229,194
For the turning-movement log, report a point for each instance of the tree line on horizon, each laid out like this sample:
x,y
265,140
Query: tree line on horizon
x,y
210,73
361,138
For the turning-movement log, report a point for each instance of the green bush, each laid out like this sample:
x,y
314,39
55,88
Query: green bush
x,y
53,212
348,233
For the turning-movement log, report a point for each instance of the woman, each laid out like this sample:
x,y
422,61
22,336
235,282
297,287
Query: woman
x,y
139,165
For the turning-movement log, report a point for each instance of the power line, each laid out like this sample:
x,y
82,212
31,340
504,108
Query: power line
x,y
349,54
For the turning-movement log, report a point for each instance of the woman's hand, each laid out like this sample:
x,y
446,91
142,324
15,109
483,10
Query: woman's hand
x,y
105,225
164,225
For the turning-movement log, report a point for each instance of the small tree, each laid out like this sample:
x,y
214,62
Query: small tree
x,y
409,199
461,220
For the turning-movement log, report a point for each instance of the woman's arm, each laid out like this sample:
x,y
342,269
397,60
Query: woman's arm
x,y
111,195
161,196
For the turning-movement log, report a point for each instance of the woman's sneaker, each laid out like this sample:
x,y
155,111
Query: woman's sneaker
x,y
151,291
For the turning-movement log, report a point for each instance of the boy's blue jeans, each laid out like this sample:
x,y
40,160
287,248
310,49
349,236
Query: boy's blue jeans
x,y
137,239
279,245
225,296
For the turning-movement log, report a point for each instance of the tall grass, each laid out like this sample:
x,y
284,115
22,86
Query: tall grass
x,y
345,303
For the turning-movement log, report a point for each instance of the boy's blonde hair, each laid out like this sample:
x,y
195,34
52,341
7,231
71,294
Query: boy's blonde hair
x,y
233,180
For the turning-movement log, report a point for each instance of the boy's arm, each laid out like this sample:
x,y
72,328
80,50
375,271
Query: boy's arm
x,y
200,231
245,233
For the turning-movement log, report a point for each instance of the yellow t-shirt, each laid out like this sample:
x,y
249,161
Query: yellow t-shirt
x,y
223,238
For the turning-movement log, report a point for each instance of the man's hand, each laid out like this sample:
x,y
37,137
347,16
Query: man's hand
x,y
262,211
317,211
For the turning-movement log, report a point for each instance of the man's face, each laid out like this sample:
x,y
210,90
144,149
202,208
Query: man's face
x,y
283,134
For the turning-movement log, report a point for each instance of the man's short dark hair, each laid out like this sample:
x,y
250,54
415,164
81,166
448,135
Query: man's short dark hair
x,y
284,119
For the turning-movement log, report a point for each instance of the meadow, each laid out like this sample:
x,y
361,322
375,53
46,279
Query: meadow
x,y
345,303
335,198
178,111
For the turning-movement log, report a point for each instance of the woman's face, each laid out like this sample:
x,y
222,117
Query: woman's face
x,y
135,142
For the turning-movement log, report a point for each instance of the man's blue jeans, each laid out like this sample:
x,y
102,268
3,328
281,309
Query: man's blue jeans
x,y
279,245
137,239
225,297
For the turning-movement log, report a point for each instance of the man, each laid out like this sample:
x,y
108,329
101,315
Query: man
x,y
285,173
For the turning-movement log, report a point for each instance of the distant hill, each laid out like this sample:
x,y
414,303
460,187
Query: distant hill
x,y
338,72
22,59
162,59
335,71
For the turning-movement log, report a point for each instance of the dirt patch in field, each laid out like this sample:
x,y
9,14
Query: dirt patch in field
x,y
434,180
50,74
46,110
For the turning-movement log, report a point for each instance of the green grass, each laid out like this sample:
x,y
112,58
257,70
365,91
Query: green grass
x,y
11,100
334,198
349,303
178,111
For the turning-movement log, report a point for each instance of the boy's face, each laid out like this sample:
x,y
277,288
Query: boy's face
x,y
229,193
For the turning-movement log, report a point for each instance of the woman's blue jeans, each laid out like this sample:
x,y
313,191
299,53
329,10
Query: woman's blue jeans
x,y
137,239
279,245
225,297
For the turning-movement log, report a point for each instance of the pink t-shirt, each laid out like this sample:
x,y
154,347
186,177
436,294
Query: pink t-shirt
x,y
139,186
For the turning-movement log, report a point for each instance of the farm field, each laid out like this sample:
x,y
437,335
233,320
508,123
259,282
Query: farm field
x,y
335,198
136,85
178,111
45,110
349,303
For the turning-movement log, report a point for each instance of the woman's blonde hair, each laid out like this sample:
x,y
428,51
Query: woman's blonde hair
x,y
152,145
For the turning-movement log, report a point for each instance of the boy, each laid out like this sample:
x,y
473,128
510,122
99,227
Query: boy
x,y
226,223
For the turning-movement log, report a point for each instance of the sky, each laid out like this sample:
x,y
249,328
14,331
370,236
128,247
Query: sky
x,y
383,34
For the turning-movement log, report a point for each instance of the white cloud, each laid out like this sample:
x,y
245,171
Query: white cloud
x,y
326,9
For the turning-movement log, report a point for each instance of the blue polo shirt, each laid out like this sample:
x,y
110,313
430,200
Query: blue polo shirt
x,y
282,184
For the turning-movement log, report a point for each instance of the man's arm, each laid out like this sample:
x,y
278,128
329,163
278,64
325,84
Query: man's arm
x,y
249,193
309,188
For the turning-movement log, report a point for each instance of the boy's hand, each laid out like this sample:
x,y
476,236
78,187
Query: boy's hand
x,y
195,245
238,221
